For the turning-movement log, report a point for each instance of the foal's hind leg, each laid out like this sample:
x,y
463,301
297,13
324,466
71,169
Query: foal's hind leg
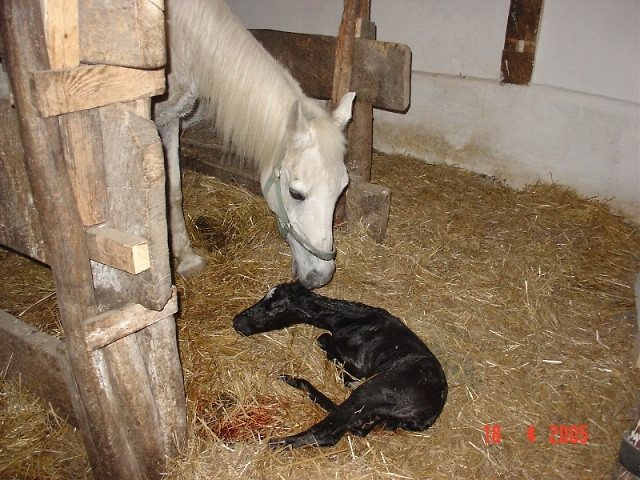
x,y
360,413
315,395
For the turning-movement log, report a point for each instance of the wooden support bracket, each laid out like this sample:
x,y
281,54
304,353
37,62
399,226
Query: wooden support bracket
x,y
54,92
117,249
118,323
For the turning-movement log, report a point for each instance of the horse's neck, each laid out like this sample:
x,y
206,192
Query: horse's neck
x,y
246,92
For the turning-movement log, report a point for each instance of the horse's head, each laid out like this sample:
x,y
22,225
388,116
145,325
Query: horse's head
x,y
304,185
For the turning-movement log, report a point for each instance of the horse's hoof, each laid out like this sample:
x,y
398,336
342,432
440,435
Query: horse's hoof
x,y
191,266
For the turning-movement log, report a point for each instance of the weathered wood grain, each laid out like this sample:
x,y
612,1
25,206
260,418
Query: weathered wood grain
x,y
33,358
19,221
127,33
61,31
83,155
55,92
382,76
135,181
120,322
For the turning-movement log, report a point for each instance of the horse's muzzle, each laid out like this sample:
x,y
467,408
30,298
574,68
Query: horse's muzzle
x,y
315,278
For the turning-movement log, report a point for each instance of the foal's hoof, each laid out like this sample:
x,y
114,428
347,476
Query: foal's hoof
x,y
191,266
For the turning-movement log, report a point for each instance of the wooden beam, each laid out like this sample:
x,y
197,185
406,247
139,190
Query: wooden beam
x,y
128,33
521,36
117,249
83,154
382,76
54,92
69,257
118,323
34,359
19,222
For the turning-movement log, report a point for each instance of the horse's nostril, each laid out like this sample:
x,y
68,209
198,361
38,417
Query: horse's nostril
x,y
315,279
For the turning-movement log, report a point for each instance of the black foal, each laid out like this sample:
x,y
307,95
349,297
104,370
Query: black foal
x,y
405,385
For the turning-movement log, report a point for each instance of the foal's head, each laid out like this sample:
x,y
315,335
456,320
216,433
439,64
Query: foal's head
x,y
304,185
279,308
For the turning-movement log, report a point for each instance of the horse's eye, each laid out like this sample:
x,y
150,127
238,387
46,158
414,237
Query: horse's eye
x,y
296,195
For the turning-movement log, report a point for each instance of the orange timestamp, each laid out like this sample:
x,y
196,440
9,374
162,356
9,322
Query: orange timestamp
x,y
557,434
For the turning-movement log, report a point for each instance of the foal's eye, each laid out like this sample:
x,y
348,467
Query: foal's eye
x,y
296,195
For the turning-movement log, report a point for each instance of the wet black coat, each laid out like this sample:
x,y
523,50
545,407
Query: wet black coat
x,y
405,386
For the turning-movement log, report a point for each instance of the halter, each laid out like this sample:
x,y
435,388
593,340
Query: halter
x,y
284,224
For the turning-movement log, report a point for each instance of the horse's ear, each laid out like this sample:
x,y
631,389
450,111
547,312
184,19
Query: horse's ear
x,y
298,126
342,113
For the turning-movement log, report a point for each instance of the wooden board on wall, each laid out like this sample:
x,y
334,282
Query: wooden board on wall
x,y
382,77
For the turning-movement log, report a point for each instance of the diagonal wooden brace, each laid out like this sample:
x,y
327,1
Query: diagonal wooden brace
x,y
118,323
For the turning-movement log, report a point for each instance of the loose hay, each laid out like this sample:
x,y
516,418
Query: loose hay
x,y
524,296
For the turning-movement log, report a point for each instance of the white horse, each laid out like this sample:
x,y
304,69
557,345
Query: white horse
x,y
261,112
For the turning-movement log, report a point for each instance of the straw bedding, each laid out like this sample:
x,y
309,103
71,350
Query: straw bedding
x,y
524,296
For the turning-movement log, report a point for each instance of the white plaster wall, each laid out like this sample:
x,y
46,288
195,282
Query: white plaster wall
x,y
577,123
590,46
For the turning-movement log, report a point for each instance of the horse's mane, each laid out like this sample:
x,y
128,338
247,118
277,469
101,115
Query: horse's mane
x,y
245,91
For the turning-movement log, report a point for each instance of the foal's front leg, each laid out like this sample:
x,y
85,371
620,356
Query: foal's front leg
x,y
189,263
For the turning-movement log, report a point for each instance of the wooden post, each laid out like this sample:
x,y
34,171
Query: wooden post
x,y
353,9
364,201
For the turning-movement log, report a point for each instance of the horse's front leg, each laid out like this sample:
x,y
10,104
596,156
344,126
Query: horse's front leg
x,y
189,263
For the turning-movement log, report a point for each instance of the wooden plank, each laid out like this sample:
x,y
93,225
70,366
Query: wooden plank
x,y
55,92
133,35
384,80
117,249
61,30
382,74
200,154
135,180
83,153
33,358
19,222
157,343
115,324
69,258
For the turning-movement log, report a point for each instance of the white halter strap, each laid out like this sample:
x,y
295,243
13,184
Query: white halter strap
x,y
284,224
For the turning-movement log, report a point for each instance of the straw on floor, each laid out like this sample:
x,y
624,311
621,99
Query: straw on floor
x,y
524,296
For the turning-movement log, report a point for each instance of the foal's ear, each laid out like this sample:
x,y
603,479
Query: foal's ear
x,y
342,113
298,127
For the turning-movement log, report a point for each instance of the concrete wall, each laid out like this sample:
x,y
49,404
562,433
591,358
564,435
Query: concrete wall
x,y
577,123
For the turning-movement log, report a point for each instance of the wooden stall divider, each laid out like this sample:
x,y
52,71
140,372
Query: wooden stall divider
x,y
118,364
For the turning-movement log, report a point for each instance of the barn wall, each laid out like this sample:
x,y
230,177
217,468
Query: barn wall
x,y
577,123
